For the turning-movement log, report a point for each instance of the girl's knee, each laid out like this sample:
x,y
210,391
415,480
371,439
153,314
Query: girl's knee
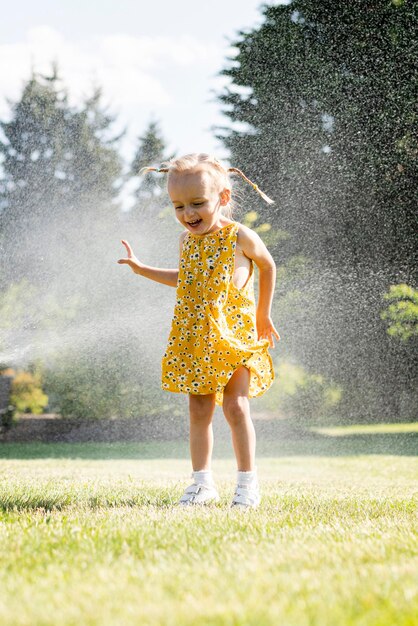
x,y
235,407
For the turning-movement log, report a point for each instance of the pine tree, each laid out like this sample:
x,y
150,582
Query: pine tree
x,y
34,151
60,169
324,94
150,194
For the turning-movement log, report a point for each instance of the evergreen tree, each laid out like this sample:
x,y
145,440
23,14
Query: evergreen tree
x,y
327,92
324,94
33,150
150,194
60,167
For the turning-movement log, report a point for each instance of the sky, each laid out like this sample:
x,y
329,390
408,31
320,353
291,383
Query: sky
x,y
154,60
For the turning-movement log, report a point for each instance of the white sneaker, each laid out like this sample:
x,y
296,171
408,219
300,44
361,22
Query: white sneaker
x,y
247,492
246,497
199,493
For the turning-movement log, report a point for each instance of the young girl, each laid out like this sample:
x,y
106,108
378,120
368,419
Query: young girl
x,y
217,349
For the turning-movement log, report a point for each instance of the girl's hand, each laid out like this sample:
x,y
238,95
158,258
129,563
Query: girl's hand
x,y
265,330
132,261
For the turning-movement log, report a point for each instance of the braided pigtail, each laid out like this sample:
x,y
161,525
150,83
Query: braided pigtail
x,y
235,170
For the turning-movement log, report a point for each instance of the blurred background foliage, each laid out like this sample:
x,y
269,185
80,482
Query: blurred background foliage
x,y
321,111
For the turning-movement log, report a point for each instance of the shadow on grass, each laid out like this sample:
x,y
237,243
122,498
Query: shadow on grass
x,y
297,443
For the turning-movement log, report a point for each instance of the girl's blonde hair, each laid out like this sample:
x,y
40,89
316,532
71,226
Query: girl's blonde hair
x,y
192,161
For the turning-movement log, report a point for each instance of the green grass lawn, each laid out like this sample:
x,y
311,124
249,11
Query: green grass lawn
x,y
89,537
366,429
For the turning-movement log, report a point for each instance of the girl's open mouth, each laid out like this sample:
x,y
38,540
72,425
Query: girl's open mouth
x,y
194,224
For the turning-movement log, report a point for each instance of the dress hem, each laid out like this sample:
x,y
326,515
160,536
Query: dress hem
x,y
220,390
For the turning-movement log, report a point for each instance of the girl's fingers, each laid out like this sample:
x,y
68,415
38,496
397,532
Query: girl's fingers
x,y
267,334
268,337
127,246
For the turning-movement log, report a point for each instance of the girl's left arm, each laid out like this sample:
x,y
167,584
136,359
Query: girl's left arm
x,y
255,249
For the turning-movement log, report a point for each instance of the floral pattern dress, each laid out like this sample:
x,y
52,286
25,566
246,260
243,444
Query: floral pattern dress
x,y
213,331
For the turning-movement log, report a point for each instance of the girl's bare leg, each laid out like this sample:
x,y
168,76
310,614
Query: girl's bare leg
x,y
201,410
236,408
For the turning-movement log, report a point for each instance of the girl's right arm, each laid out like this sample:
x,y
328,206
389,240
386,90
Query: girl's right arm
x,y
164,276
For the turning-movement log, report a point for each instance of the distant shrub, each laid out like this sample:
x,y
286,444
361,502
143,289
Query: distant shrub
x,y
401,313
26,392
107,383
300,395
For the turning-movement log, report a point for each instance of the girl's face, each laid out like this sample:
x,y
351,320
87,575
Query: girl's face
x,y
197,200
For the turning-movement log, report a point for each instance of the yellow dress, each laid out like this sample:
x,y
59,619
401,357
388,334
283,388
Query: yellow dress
x,y
213,330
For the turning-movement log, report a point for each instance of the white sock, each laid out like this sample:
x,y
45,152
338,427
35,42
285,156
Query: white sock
x,y
247,479
203,477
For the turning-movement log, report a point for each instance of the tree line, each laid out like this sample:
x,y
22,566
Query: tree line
x,y
321,111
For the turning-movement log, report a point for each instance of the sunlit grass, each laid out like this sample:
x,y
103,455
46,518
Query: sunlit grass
x,y
98,542
364,429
